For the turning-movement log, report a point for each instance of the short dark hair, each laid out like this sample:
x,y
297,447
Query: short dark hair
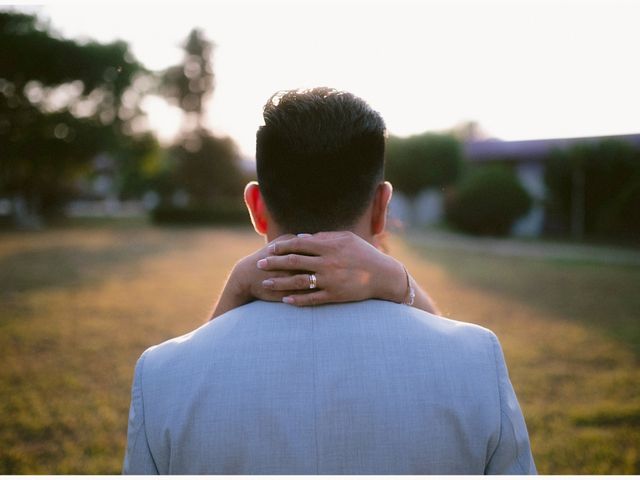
x,y
320,155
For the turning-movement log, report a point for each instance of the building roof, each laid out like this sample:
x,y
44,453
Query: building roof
x,y
531,150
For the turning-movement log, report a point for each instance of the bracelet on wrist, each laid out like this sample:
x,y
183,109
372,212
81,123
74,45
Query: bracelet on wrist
x,y
410,294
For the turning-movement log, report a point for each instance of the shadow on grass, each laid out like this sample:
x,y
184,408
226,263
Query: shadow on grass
x,y
64,266
604,297
613,416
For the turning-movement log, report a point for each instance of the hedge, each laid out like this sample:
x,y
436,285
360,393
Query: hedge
x,y
487,201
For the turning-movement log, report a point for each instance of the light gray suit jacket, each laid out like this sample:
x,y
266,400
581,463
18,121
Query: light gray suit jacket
x,y
371,387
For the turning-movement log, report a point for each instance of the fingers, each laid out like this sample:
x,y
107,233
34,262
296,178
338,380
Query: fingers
x,y
269,295
286,236
309,245
290,262
295,282
307,299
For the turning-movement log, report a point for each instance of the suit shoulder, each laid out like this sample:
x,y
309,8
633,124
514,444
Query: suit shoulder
x,y
455,327
408,325
436,324
204,337
466,340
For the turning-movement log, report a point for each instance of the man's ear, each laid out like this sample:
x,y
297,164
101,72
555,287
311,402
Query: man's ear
x,y
381,200
257,208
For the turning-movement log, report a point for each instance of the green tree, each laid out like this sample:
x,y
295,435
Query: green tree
x,y
428,160
422,161
190,85
208,169
141,165
206,165
61,103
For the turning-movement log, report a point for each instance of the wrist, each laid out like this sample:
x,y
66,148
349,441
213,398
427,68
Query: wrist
x,y
393,281
238,282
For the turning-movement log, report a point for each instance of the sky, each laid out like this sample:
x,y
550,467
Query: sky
x,y
521,69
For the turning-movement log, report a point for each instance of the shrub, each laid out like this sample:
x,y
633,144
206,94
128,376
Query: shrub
x,y
487,201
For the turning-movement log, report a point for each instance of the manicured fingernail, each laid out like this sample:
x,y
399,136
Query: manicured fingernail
x,y
272,248
304,235
262,263
288,300
267,283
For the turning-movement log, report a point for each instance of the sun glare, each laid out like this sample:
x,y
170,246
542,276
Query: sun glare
x,y
520,69
163,118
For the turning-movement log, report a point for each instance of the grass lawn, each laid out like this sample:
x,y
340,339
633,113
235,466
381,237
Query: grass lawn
x,y
78,306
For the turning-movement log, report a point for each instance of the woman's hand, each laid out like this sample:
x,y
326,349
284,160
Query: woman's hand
x,y
347,269
245,283
246,279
